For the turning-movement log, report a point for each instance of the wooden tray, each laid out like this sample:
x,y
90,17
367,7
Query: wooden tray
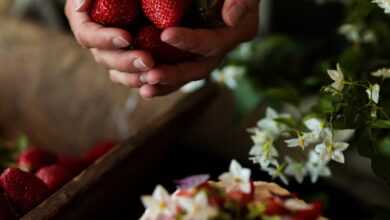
x,y
54,91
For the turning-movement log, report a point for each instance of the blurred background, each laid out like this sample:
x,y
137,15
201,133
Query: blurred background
x,y
41,67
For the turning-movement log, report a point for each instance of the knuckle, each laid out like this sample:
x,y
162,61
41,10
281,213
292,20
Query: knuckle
x,y
80,38
96,55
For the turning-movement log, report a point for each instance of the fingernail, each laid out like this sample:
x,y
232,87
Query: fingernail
x,y
140,64
143,78
236,13
152,81
120,42
169,38
166,38
114,76
79,4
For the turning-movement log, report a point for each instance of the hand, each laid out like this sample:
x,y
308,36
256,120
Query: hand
x,y
136,68
106,44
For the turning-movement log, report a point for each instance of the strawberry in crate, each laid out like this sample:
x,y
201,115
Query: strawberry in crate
x,y
234,197
31,174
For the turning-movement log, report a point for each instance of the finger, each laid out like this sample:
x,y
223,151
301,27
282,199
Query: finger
x,y
92,35
194,40
127,79
177,75
124,61
209,42
234,11
82,5
149,91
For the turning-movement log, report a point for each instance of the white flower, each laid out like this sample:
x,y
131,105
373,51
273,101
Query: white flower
x,y
357,34
270,124
264,151
228,75
315,125
338,77
159,205
350,31
305,139
317,167
373,93
369,37
296,169
385,4
193,86
302,141
333,146
276,171
245,51
197,208
384,73
237,179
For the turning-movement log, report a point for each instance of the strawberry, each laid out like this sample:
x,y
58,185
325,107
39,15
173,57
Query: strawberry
x,y
98,150
54,176
165,13
116,13
73,164
274,206
24,190
34,158
6,212
148,39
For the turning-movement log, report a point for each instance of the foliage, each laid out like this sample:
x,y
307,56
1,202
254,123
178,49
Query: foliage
x,y
286,69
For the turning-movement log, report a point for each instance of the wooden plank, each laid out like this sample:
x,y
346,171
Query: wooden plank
x,y
52,206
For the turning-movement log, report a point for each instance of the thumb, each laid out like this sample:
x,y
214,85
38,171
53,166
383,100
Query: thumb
x,y
234,10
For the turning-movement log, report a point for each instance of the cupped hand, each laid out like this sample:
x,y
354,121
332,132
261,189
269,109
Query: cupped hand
x,y
108,45
136,68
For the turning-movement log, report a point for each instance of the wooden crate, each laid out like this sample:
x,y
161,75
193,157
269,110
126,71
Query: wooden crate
x,y
54,91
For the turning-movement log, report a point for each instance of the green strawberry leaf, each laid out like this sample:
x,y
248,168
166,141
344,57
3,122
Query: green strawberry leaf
x,y
382,124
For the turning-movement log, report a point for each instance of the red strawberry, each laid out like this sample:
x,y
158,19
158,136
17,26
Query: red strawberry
x,y
117,13
6,212
148,39
54,176
274,206
34,158
24,190
165,13
98,150
73,164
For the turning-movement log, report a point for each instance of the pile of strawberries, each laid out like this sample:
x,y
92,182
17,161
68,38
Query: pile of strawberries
x,y
39,173
146,19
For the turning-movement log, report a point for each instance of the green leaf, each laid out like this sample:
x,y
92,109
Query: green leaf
x,y
384,147
246,96
383,124
286,121
325,105
284,94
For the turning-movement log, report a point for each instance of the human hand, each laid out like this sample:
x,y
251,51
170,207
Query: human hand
x,y
136,68
108,45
